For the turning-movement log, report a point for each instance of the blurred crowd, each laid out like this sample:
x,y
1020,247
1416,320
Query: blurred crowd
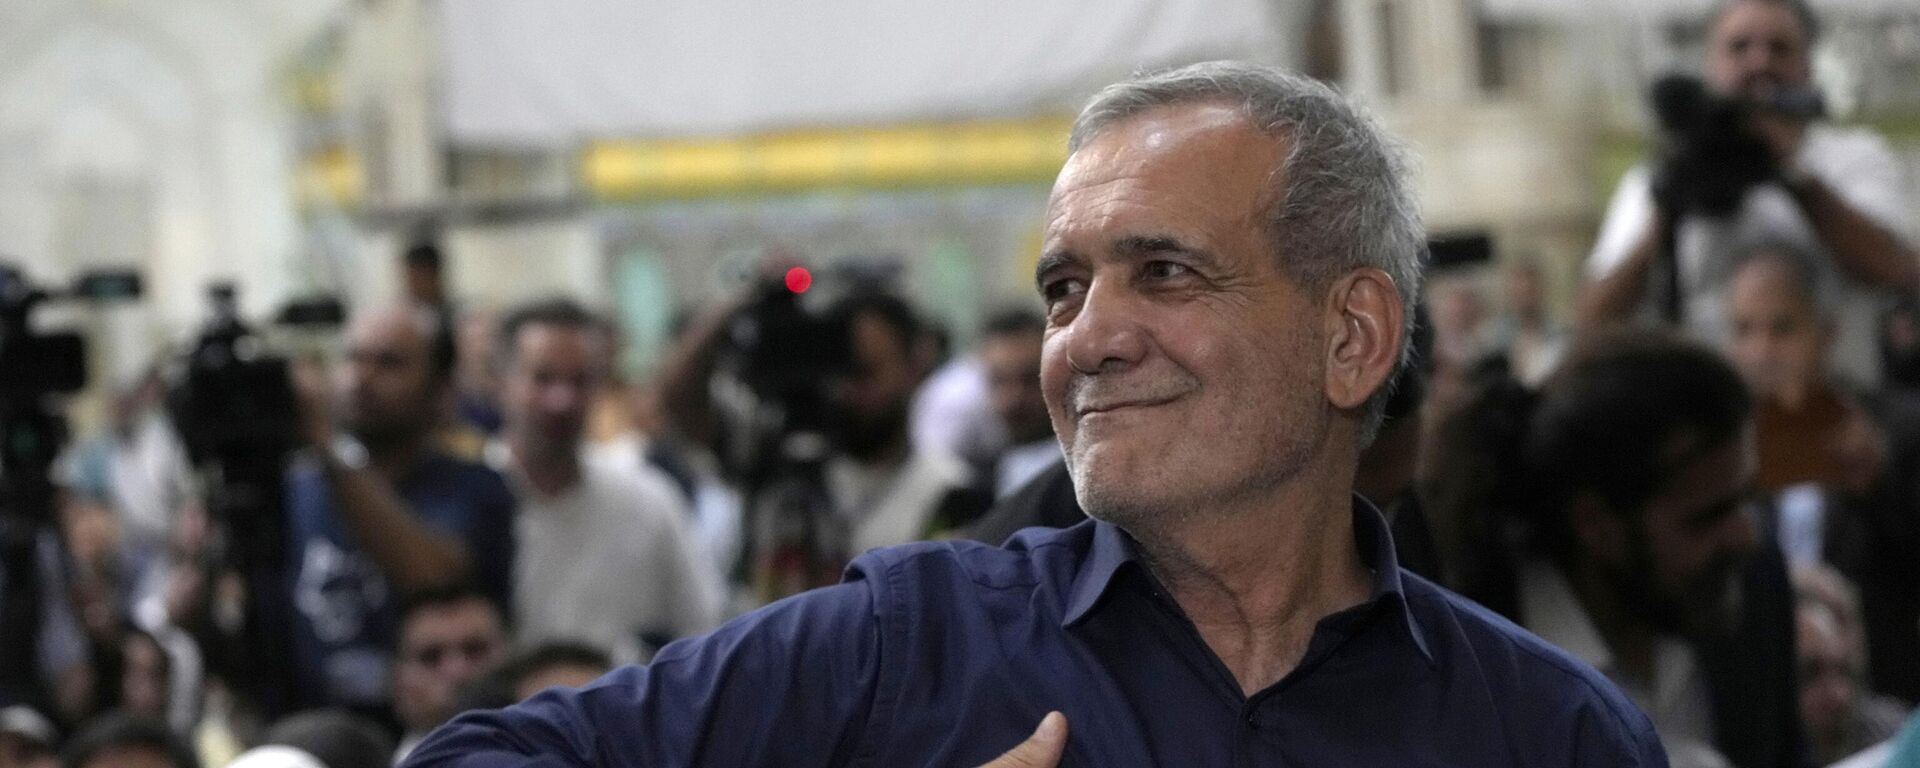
x,y
1705,482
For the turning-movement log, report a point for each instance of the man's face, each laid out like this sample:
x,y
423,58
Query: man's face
x,y
1779,342
388,390
442,648
1181,367
1757,48
1524,299
1828,674
550,384
1685,558
1012,361
875,398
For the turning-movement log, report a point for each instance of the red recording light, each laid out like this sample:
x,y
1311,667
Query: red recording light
x,y
799,279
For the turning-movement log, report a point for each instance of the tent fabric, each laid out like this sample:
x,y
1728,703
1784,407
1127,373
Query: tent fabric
x,y
563,71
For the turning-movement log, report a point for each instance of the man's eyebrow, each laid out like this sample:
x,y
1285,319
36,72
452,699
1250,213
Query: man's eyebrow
x,y
1051,261
1144,245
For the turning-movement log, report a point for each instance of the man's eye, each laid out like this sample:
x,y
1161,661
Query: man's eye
x,y
1055,290
1161,270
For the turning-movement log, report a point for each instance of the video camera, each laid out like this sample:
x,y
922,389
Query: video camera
x,y
232,401
783,358
1711,155
35,366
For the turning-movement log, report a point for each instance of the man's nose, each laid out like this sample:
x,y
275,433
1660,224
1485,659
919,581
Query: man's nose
x,y
562,398
1107,333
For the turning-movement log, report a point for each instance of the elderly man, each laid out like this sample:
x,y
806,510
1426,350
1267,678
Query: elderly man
x,y
1228,254
1836,193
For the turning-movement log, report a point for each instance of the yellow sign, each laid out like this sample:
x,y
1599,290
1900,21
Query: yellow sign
x,y
997,152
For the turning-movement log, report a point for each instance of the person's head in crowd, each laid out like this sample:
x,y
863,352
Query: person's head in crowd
x,y
1224,310
1629,470
1831,673
448,637
1459,321
398,373
121,741
1526,296
890,357
27,739
1900,343
475,373
553,358
135,398
1010,352
1756,48
334,738
558,664
1780,332
146,675
423,271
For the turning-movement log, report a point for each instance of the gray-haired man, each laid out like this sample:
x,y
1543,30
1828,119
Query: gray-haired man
x,y
1228,259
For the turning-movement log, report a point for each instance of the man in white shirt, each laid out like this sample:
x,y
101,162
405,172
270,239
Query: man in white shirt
x,y
604,553
1837,194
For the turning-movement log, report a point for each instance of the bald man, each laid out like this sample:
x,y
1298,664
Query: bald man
x,y
376,512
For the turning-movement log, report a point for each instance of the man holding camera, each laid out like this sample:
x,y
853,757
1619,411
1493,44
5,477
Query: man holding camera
x,y
378,513
1836,192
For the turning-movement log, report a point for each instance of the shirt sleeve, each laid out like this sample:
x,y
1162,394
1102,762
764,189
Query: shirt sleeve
x,y
792,684
1628,216
490,539
1863,171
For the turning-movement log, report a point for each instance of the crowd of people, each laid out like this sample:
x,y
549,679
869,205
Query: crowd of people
x,y
1701,484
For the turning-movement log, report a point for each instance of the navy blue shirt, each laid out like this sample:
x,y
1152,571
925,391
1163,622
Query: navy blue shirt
x,y
949,654
343,607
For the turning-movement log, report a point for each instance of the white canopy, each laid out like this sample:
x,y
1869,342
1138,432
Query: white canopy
x,y
556,71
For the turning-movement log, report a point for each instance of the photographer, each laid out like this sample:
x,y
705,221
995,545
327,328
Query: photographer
x,y
1834,192
879,490
382,515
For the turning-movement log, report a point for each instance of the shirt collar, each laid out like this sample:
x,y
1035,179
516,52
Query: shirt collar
x,y
1113,550
1554,613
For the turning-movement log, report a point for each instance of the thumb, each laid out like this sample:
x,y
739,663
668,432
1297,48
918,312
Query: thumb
x,y
1041,750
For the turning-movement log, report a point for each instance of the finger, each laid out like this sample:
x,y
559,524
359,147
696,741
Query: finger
x,y
1041,750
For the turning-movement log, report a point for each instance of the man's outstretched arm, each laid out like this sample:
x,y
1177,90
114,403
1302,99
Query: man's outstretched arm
x,y
791,684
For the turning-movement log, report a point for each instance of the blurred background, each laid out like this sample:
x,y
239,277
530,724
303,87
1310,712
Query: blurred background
x,y
646,157
609,415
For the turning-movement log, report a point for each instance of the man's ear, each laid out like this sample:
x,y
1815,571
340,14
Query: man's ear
x,y
1597,529
1365,323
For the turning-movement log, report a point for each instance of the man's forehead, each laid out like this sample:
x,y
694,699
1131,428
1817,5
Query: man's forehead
x,y
1740,14
387,328
1183,133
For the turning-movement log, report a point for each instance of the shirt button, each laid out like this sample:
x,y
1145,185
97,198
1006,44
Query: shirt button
x,y
1253,721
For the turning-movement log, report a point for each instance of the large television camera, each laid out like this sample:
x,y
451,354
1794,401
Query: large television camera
x,y
1710,158
1711,155
783,359
36,368
231,399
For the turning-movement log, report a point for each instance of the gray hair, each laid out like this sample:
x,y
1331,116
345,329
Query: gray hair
x,y
1345,204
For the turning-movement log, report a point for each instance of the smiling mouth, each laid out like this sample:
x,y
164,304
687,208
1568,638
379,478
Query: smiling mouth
x,y
1128,405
